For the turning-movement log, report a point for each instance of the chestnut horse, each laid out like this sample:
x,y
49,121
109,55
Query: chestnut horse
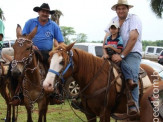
x,y
150,107
94,76
7,92
28,62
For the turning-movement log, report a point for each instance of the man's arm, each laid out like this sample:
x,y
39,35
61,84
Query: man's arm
x,y
131,42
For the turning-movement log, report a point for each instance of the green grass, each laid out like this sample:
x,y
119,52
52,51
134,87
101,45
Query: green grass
x,y
56,113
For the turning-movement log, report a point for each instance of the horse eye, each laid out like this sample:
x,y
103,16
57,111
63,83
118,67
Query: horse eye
x,y
62,62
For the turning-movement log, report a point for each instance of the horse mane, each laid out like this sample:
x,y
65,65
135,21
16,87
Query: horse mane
x,y
38,55
86,60
42,58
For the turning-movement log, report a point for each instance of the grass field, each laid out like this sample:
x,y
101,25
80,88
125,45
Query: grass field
x,y
56,113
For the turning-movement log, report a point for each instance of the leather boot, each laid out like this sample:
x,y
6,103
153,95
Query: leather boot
x,y
131,84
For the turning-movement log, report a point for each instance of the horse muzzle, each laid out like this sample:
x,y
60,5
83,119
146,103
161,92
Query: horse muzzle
x,y
16,72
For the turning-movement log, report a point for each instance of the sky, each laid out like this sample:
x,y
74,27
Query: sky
x,y
90,17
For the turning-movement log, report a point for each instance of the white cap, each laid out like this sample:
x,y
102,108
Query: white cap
x,y
115,23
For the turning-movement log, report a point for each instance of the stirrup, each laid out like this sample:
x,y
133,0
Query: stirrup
x,y
132,103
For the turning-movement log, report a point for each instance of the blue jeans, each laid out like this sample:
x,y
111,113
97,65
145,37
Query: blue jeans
x,y
130,69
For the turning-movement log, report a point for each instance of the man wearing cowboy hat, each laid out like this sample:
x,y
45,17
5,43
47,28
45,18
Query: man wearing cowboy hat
x,y
130,31
47,31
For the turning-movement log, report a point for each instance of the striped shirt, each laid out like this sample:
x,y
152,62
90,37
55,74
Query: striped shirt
x,y
116,43
132,22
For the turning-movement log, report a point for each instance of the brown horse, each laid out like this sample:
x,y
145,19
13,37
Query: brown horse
x,y
7,92
95,78
151,102
29,63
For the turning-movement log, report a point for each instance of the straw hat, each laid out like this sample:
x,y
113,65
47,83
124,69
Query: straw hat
x,y
121,2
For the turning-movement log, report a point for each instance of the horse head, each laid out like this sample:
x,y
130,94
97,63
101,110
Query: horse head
x,y
22,51
61,60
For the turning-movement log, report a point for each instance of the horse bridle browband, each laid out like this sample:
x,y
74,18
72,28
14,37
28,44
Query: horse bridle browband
x,y
61,74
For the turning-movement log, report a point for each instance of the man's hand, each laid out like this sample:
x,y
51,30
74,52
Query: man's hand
x,y
116,58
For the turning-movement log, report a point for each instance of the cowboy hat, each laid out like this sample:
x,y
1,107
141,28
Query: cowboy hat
x,y
121,2
44,6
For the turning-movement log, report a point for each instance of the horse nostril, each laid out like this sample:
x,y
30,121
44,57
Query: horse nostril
x,y
50,85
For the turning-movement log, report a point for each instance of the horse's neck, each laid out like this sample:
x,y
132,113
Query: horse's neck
x,y
85,66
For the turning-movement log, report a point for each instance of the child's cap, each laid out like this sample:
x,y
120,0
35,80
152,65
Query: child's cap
x,y
114,23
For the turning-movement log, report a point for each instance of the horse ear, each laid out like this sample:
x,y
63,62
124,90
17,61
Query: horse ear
x,y
70,46
33,33
18,31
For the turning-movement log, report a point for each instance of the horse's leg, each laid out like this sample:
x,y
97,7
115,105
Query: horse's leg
x,y
8,116
43,106
7,99
105,116
29,115
91,118
13,114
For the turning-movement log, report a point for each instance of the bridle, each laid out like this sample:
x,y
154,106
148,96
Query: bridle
x,y
26,60
63,72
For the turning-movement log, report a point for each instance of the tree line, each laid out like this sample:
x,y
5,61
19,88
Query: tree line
x,y
158,43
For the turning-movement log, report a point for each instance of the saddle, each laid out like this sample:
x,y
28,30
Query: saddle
x,y
144,81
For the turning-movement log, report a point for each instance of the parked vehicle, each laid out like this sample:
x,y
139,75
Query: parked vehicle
x,y
71,86
8,47
152,53
93,48
160,58
156,66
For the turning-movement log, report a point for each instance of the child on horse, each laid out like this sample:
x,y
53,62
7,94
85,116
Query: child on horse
x,y
114,42
113,45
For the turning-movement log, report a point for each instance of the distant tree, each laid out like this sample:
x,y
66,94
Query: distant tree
x,y
157,7
158,43
1,14
97,41
81,37
67,32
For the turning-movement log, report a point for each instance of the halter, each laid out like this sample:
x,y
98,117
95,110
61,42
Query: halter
x,y
25,59
61,74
